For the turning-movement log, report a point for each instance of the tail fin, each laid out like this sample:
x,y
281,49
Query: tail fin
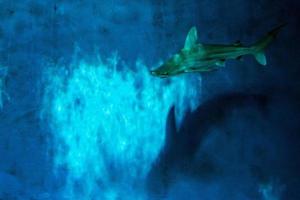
x,y
260,57
274,32
258,47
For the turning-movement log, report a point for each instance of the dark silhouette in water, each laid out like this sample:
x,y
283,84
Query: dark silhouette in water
x,y
180,149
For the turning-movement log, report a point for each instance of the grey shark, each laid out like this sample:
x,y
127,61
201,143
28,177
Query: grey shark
x,y
197,57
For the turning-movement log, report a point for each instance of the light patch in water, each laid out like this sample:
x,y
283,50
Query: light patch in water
x,y
271,190
3,75
108,125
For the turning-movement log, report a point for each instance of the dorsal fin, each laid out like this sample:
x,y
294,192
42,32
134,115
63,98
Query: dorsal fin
x,y
191,38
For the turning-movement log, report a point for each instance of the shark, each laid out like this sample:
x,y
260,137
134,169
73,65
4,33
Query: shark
x,y
198,57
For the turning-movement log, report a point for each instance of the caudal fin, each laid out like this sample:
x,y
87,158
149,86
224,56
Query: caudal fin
x,y
258,47
260,57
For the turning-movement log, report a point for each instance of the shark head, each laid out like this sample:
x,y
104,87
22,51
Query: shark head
x,y
171,67
175,64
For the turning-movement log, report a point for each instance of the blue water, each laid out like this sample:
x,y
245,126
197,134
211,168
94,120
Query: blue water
x,y
81,117
108,126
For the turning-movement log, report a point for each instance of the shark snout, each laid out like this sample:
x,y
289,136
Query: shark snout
x,y
159,74
153,72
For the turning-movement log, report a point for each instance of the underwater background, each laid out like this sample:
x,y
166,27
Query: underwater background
x,y
82,118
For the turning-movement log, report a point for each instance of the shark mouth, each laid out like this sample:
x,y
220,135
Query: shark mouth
x,y
108,125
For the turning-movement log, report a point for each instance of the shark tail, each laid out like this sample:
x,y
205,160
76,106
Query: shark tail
x,y
260,57
259,47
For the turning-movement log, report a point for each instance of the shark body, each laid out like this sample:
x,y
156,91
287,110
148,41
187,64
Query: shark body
x,y
196,57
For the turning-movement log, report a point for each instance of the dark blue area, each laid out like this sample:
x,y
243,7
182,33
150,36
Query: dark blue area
x,y
243,138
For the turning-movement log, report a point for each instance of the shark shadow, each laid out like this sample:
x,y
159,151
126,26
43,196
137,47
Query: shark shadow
x,y
177,157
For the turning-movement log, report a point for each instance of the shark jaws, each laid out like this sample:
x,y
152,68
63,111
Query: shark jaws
x,y
196,57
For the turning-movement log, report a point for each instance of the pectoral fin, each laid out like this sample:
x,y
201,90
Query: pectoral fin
x,y
221,63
